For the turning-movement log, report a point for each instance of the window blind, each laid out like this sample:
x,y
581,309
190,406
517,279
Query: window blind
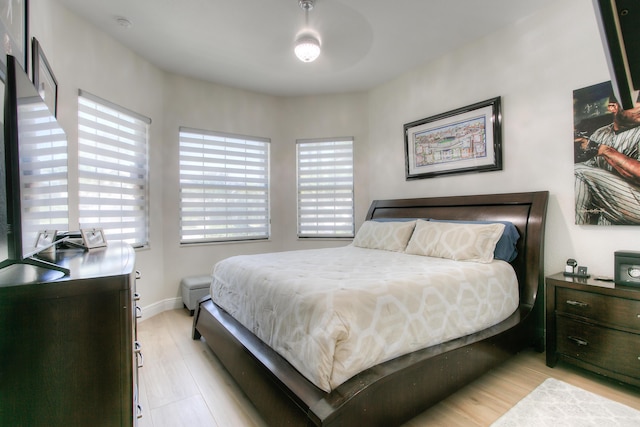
x,y
113,169
43,168
224,187
325,188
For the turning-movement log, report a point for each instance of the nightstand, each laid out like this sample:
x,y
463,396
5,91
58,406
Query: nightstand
x,y
594,325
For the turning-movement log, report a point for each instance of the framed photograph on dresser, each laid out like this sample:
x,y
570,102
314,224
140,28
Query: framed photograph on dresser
x,y
93,238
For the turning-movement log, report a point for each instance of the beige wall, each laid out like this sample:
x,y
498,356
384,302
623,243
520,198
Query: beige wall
x,y
534,66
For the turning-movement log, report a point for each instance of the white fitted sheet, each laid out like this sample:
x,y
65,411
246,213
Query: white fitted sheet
x,y
335,312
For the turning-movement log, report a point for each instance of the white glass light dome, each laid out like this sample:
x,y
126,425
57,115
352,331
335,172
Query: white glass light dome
x,y
307,48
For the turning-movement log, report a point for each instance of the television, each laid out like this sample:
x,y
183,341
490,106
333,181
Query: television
x,y
619,25
34,152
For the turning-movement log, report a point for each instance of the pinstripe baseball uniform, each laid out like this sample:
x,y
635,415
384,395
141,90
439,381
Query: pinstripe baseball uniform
x,y
602,195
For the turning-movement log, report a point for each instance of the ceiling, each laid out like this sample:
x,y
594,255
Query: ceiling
x,y
249,43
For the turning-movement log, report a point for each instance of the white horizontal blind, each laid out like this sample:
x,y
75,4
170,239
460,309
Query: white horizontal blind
x,y
224,187
325,188
43,168
113,170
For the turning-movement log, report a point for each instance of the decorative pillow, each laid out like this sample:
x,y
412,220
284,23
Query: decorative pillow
x,y
506,247
457,241
390,236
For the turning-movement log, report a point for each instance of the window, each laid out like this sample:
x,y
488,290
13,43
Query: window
x,y
325,188
224,187
43,165
113,170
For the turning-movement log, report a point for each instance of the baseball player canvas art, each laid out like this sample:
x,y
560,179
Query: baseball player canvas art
x,y
606,158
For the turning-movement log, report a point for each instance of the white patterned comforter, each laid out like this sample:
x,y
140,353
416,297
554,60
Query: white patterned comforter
x,y
335,312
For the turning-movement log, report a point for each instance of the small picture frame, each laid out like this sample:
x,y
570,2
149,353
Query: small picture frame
x,y
43,78
45,238
93,238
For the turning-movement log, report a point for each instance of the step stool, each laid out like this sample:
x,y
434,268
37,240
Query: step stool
x,y
194,288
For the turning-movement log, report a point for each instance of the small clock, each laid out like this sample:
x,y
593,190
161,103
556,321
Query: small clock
x,y
634,272
627,268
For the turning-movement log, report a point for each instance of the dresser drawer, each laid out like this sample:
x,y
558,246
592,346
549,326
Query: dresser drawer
x,y
599,308
608,348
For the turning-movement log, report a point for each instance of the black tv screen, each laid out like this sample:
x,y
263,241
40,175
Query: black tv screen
x,y
4,222
619,24
35,170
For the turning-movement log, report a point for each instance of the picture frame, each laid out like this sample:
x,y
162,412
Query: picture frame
x,y
464,140
43,78
14,30
45,238
93,238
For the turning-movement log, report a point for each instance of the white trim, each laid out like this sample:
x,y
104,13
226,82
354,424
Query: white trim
x,y
160,306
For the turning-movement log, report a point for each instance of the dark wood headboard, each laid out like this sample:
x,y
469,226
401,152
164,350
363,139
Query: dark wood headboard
x,y
527,211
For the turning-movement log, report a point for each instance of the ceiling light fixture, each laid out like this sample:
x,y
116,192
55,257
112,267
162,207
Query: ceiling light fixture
x,y
307,45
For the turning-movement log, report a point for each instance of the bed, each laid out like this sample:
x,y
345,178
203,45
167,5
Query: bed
x,y
393,391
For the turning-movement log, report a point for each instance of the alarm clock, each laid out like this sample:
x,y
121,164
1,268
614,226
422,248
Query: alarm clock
x,y
627,268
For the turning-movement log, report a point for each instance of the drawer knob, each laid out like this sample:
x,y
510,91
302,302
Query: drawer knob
x,y
577,303
578,341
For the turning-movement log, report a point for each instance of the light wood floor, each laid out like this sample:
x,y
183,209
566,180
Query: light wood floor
x,y
183,384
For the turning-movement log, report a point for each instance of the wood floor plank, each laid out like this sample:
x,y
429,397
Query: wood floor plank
x,y
189,412
168,382
230,407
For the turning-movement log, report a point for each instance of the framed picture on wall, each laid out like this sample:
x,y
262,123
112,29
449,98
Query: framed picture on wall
x,y
43,78
464,140
605,153
13,30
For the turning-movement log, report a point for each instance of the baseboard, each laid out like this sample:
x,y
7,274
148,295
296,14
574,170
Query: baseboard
x,y
160,306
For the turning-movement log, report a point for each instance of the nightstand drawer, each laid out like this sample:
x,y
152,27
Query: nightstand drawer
x,y
610,349
599,308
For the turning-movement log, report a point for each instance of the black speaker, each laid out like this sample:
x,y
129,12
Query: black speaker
x,y
627,265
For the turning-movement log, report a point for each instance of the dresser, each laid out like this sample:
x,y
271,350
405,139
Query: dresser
x,y
68,349
594,325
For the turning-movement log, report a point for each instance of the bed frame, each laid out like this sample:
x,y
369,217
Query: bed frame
x,y
395,391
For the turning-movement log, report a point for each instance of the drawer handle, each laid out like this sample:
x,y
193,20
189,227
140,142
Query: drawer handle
x,y
578,341
138,411
577,303
136,296
138,274
139,359
137,349
138,312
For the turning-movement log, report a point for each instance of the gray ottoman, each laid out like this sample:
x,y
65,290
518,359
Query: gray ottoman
x,y
194,288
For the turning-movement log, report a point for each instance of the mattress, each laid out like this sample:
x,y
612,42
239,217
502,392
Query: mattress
x,y
335,312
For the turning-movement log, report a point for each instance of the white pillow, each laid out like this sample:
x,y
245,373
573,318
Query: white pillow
x,y
389,236
457,241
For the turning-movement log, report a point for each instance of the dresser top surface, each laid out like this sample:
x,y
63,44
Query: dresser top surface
x,y
115,259
593,285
